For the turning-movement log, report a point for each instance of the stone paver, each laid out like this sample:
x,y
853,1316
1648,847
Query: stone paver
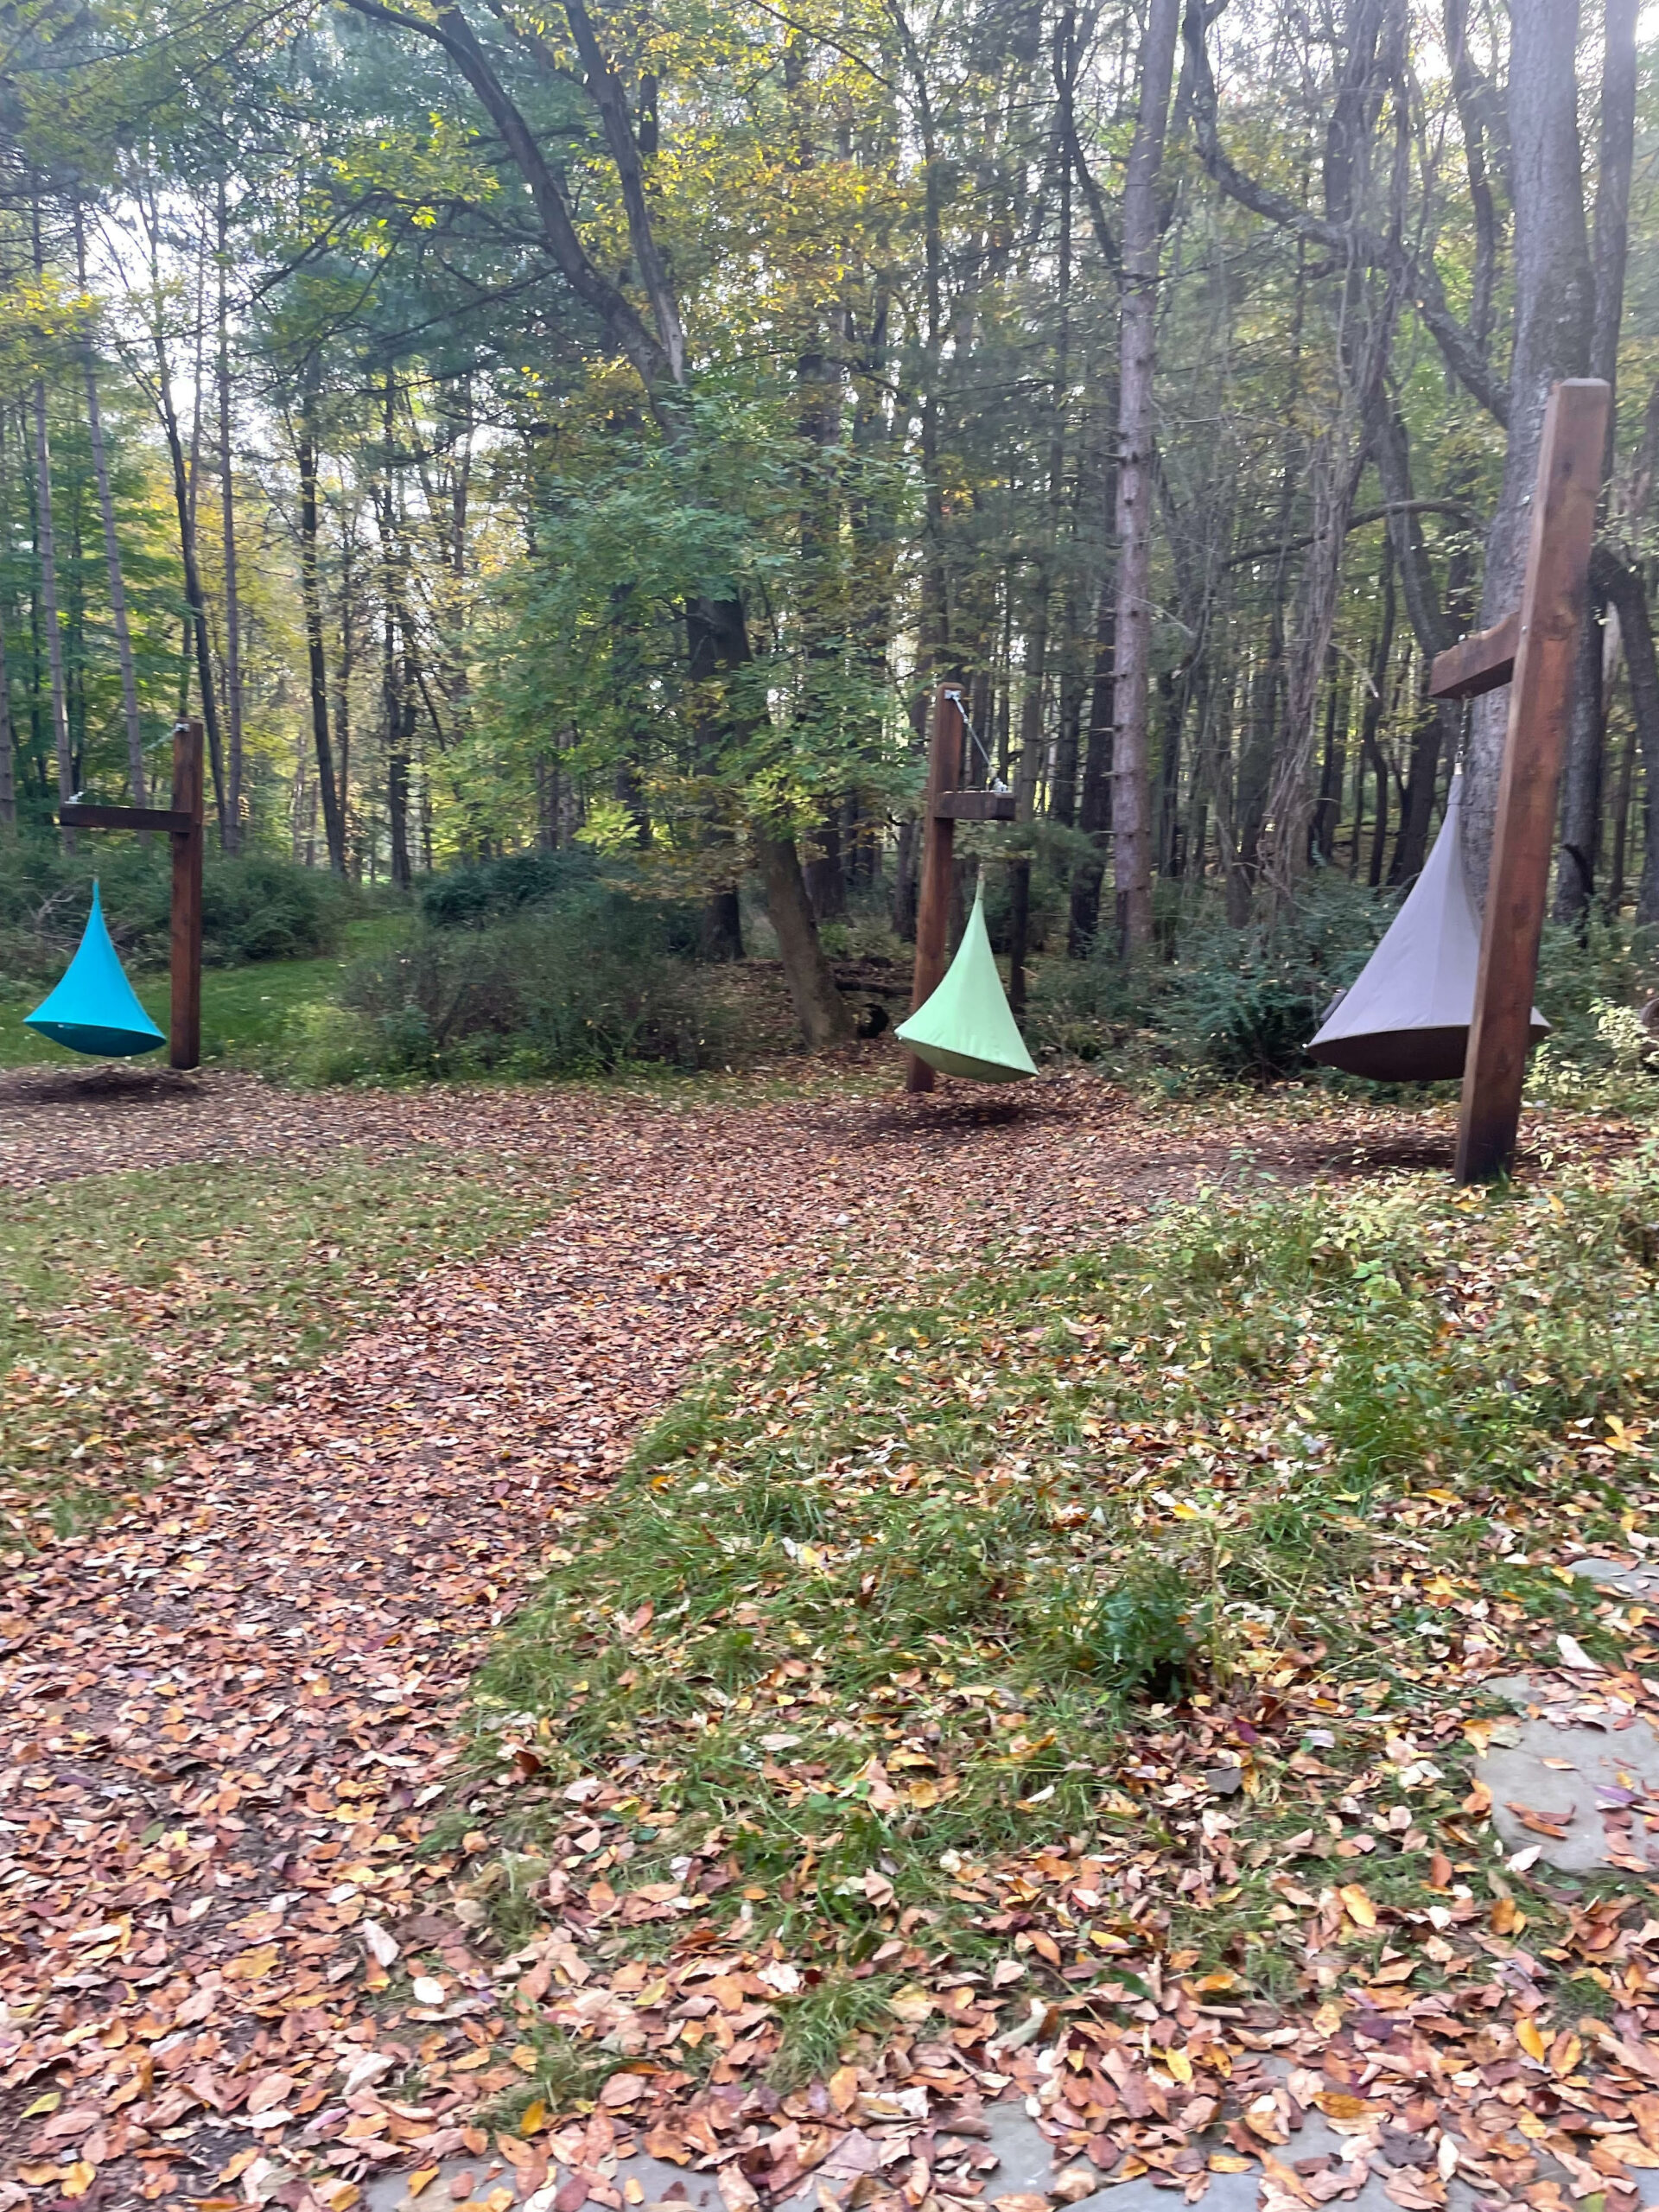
x,y
1026,2167
1640,1580
1581,1764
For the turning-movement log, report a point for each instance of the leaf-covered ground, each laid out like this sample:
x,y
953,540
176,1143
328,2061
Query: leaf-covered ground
x,y
1068,1678
269,1925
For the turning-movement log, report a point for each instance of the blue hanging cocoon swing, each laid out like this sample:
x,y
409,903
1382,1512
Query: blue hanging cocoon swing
x,y
965,1028
95,1009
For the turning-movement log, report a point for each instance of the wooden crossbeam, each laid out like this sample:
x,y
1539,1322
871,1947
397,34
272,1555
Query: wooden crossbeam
x,y
1548,624
1481,662
976,806
85,814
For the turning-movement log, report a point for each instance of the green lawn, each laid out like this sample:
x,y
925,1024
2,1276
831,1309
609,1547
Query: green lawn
x,y
245,1012
135,1303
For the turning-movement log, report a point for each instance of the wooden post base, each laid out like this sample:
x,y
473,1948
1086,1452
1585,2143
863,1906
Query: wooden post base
x,y
184,1029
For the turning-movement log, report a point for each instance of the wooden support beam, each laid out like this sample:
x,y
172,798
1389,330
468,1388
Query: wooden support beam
x,y
1550,617
939,847
184,1029
1481,662
977,806
82,814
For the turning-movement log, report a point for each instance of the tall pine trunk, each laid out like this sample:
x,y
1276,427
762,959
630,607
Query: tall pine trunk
x,y
1131,770
311,599
48,566
112,543
1581,780
1554,308
227,512
195,601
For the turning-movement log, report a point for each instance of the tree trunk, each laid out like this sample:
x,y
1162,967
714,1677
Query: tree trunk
x,y
227,511
397,818
1581,778
48,565
396,678
47,549
1131,779
1370,748
1172,692
111,544
8,751
826,871
1621,821
311,599
1554,299
819,1006
343,697
1624,587
1094,800
1025,789
1429,745
903,879
1334,767
196,620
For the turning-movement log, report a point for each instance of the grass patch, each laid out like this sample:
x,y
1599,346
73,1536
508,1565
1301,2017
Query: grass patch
x,y
1167,1560
250,1016
144,1311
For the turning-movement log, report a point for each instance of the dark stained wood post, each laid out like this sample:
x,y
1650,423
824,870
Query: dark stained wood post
x,y
184,1030
1545,647
939,847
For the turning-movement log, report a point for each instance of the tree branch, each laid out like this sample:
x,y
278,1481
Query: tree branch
x,y
605,90
622,324
1419,280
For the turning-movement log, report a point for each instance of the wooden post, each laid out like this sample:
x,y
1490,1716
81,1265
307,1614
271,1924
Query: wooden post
x,y
939,845
1545,646
184,1038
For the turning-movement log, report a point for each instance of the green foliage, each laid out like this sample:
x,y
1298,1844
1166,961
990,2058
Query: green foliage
x,y
1581,973
1251,1000
253,909
585,985
1239,1002
601,901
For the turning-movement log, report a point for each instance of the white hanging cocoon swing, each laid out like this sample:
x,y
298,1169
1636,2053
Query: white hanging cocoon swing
x,y
1406,1018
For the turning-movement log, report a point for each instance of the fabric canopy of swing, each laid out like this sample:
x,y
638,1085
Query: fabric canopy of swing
x,y
965,1027
95,1009
1406,1020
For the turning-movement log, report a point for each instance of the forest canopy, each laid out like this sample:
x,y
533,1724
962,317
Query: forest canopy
x,y
603,425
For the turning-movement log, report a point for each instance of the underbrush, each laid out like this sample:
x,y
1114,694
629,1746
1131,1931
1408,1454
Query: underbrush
x,y
253,909
922,1584
1221,1004
585,983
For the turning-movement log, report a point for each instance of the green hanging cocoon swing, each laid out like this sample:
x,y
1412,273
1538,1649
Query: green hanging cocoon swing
x,y
965,1027
95,1009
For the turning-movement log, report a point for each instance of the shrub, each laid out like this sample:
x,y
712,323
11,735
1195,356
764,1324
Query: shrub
x,y
581,988
489,890
256,908
576,880
1242,1002
261,908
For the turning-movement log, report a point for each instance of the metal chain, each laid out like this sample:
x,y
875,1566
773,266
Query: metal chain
x,y
997,782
